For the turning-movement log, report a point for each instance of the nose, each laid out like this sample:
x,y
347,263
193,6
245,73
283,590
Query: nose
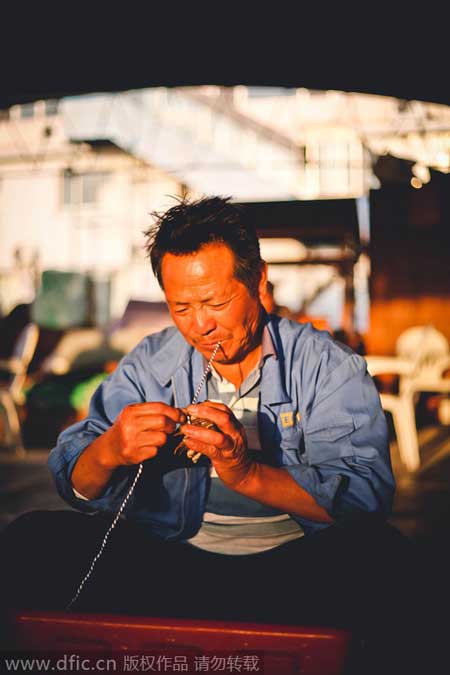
x,y
203,322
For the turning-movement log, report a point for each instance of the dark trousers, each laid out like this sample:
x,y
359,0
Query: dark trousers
x,y
363,577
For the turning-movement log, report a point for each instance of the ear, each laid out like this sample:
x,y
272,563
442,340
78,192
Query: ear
x,y
262,280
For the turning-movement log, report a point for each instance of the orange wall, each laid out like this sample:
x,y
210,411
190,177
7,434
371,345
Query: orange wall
x,y
410,261
389,318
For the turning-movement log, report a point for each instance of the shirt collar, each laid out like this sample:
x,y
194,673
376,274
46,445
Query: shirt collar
x,y
267,349
267,345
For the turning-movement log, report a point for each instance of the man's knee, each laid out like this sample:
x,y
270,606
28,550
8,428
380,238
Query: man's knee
x,y
35,524
29,519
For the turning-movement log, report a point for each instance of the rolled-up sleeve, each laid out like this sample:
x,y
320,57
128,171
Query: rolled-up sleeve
x,y
347,466
113,394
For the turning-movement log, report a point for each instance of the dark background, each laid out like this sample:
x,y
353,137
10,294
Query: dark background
x,y
63,49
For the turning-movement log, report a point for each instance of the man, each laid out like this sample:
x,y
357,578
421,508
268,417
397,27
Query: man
x,y
281,519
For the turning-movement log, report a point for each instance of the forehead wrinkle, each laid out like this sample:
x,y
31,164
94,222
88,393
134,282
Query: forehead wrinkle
x,y
200,277
202,261
219,294
207,286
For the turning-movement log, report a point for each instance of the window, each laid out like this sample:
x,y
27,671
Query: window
x,y
83,188
51,107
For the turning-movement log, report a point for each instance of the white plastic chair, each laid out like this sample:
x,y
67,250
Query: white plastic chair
x,y
400,406
429,351
11,391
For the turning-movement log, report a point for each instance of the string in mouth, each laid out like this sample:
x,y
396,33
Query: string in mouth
x,y
198,421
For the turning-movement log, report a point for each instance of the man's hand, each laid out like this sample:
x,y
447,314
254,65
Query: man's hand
x,y
227,450
226,447
139,432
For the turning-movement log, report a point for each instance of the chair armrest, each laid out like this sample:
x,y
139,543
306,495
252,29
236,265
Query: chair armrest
x,y
378,365
13,365
55,365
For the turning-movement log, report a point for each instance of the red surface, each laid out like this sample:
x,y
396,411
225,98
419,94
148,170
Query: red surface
x,y
281,649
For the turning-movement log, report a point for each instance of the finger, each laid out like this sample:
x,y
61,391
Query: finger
x,y
158,408
148,452
139,454
153,438
200,448
212,405
204,435
224,419
155,423
217,404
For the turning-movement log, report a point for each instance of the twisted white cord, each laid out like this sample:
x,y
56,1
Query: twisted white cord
x,y
130,492
105,538
207,369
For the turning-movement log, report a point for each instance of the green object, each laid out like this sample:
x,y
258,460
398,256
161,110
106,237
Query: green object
x,y
62,300
81,395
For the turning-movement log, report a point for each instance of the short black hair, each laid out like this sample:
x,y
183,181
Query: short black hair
x,y
189,225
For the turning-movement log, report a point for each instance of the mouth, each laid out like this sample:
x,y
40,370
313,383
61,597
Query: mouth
x,y
209,345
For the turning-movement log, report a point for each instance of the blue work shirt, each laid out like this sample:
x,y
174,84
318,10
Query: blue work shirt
x,y
319,418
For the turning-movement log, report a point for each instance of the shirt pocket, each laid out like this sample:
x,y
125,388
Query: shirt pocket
x,y
329,439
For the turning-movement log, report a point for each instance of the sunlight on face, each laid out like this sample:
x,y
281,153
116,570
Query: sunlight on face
x,y
208,303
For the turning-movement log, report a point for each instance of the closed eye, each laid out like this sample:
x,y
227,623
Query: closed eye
x,y
215,306
218,306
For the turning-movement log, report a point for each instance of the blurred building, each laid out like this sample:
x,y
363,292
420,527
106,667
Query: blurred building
x,y
80,176
71,204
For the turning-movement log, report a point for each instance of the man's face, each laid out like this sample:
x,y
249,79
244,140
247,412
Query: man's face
x,y
208,303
